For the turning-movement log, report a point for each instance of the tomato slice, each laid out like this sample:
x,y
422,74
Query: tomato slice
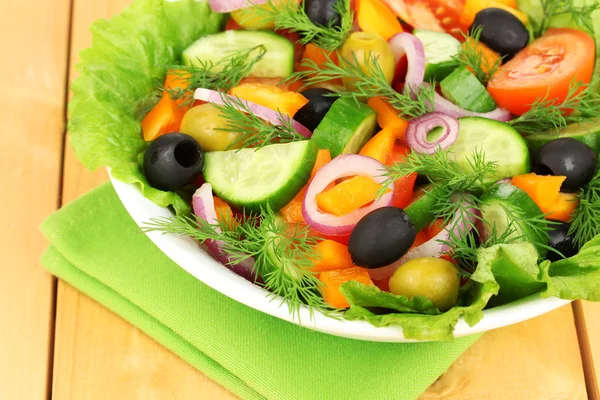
x,y
435,15
546,66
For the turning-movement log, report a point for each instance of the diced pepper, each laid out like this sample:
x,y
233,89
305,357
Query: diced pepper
x,y
472,7
348,196
388,115
375,17
510,3
380,146
223,211
332,255
436,227
489,56
383,284
332,281
419,239
292,212
270,96
319,56
403,187
563,207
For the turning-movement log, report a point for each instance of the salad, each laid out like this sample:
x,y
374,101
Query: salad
x,y
396,161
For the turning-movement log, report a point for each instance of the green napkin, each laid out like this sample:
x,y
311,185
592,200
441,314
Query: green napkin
x,y
96,247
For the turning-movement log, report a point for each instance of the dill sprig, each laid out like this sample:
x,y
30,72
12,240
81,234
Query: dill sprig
x,y
545,116
254,131
580,15
471,56
221,75
414,103
585,222
283,257
292,17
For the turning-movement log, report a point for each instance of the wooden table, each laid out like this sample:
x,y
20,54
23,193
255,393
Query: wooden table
x,y
55,341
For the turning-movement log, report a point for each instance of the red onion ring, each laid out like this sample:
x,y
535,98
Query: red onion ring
x,y
447,107
341,167
419,128
461,224
404,43
263,112
225,6
204,207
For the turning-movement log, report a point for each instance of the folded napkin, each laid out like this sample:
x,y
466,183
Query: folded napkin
x,y
96,247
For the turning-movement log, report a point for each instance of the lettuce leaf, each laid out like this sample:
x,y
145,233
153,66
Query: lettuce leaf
x,y
119,73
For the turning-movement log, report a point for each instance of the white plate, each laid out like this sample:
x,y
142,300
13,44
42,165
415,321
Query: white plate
x,y
189,256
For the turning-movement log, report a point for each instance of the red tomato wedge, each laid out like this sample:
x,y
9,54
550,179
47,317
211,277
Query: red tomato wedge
x,y
435,15
546,66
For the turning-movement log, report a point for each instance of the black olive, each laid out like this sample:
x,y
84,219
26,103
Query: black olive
x,y
561,241
318,104
501,31
381,237
322,12
172,161
566,157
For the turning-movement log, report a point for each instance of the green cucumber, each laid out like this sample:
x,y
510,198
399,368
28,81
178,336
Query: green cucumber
x,y
502,197
440,50
420,210
275,261
253,179
278,60
463,89
498,141
587,132
346,127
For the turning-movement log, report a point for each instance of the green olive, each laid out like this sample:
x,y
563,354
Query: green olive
x,y
361,46
430,277
203,123
248,18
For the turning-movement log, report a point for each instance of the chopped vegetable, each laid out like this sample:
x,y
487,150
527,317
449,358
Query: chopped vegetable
x,y
472,7
333,280
374,16
381,146
331,255
545,192
273,97
348,196
478,58
388,115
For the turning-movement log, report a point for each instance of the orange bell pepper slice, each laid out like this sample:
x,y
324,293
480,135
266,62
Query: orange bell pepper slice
x,y
436,227
332,255
472,7
348,196
488,56
404,187
375,17
271,96
388,115
381,145
332,281
563,207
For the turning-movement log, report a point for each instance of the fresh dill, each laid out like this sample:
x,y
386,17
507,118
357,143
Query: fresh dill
x,y
581,16
283,257
414,103
292,17
546,116
472,57
221,75
585,222
254,131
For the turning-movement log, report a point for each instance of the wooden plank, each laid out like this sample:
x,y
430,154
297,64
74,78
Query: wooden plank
x,y
100,356
587,317
32,89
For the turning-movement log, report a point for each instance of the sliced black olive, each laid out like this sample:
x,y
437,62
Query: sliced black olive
x,y
381,237
318,104
322,12
173,161
566,157
501,31
561,241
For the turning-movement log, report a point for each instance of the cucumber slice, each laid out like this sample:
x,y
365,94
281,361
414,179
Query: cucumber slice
x,y
504,197
440,50
420,210
498,141
274,261
253,179
587,132
463,89
346,127
278,60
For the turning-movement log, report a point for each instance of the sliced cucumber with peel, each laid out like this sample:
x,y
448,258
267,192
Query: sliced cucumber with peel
x,y
503,201
440,50
278,60
463,89
587,132
420,210
253,179
498,141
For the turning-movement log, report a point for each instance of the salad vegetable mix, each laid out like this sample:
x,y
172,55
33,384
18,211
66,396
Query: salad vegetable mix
x,y
402,162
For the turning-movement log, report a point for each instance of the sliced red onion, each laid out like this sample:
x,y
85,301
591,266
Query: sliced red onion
x,y
340,167
404,43
204,207
447,107
461,224
225,6
262,112
419,128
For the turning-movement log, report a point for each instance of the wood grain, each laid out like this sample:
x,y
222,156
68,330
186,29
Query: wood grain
x,y
100,356
32,91
587,316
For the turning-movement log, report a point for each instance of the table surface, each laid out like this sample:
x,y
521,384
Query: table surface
x,y
56,342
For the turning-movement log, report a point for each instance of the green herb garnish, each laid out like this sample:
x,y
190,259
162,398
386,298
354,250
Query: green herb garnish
x,y
580,15
471,56
585,222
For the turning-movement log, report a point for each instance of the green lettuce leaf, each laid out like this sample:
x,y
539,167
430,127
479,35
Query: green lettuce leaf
x,y
118,75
